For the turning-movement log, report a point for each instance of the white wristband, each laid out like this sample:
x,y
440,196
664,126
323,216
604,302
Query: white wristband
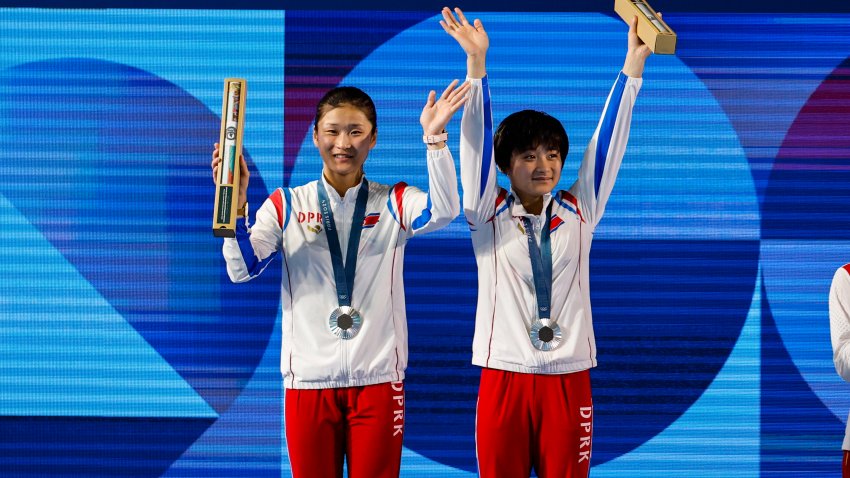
x,y
435,138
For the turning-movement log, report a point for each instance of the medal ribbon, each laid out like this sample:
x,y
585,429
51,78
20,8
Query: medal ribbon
x,y
541,262
343,275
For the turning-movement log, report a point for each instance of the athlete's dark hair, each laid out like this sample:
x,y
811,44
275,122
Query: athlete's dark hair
x,y
528,129
347,95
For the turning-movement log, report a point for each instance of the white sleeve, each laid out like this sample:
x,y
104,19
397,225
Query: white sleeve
x,y
420,212
477,162
839,321
606,148
250,252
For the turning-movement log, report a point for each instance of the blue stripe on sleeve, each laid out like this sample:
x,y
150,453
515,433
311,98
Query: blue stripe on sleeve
x,y
423,218
252,264
245,246
390,204
487,147
260,266
566,205
503,209
508,201
606,130
287,194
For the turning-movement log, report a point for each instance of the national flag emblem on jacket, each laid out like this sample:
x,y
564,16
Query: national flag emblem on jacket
x,y
555,223
371,219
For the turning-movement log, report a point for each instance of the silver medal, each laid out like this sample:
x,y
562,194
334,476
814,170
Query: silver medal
x,y
545,335
345,322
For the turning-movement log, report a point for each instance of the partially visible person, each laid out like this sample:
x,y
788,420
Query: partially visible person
x,y
341,239
839,331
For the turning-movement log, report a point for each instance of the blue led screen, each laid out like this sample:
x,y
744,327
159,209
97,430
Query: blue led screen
x,y
125,350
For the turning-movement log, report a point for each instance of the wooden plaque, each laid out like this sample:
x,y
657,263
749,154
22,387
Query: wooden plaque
x,y
230,148
657,35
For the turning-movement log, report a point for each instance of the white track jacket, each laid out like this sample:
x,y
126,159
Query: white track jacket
x,y
289,224
506,299
839,330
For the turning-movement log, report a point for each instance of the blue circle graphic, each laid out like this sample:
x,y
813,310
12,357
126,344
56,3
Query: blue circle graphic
x,y
806,232
111,164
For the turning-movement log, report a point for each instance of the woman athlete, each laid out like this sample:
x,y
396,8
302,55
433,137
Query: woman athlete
x,y
341,239
533,331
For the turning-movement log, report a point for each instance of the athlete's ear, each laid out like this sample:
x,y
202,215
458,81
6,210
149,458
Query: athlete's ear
x,y
315,138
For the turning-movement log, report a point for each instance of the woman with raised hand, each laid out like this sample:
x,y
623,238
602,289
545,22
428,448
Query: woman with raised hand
x,y
533,331
341,239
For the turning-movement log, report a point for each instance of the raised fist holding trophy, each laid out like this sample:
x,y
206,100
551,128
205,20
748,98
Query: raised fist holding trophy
x,y
651,29
231,180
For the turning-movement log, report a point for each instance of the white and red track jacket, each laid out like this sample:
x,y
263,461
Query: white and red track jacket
x,y
506,300
839,330
289,223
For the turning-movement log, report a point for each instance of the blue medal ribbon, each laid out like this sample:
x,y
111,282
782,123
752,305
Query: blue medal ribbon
x,y
541,262
343,274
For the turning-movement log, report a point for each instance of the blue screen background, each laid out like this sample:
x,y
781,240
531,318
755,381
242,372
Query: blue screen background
x,y
124,348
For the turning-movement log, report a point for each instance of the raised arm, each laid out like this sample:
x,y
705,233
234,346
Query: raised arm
x,y
606,148
471,37
418,211
839,321
637,54
477,165
249,253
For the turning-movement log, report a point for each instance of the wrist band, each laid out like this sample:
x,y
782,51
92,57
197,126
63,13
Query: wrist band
x,y
435,138
242,211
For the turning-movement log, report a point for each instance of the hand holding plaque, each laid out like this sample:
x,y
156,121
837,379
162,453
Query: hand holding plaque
x,y
228,175
651,29
244,174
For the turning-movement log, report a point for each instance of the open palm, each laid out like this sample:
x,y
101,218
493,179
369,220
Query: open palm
x,y
437,112
471,37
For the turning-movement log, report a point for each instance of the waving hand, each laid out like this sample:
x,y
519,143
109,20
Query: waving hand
x,y
471,37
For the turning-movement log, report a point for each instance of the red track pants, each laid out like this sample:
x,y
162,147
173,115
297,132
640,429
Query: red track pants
x,y
845,467
364,424
530,420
